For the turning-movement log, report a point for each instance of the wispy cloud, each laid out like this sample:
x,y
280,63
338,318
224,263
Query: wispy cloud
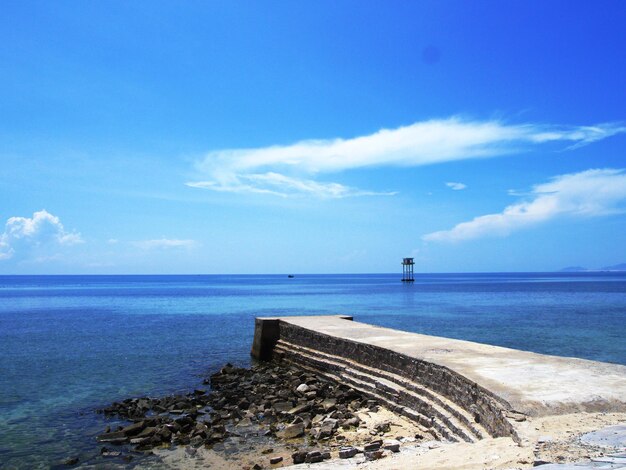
x,y
164,243
284,186
590,193
42,230
456,186
285,170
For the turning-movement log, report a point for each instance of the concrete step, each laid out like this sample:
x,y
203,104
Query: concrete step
x,y
425,409
415,394
423,423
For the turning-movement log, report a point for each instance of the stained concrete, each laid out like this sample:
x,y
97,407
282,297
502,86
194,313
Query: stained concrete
x,y
534,384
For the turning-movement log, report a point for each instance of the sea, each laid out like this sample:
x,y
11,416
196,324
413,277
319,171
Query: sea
x,y
70,345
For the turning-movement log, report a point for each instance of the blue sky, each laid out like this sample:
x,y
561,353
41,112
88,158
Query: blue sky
x,y
311,137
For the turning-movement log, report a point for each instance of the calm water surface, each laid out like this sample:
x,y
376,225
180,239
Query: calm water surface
x,y
71,344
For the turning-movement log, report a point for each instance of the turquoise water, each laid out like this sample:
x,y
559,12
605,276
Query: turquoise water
x,y
71,344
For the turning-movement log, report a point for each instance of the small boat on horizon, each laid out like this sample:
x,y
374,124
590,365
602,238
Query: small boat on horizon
x,y
290,276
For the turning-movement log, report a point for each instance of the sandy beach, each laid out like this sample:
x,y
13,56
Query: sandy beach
x,y
554,439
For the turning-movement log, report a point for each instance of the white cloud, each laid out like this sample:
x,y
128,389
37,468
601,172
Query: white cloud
x,y
279,169
284,186
456,186
164,243
44,230
590,193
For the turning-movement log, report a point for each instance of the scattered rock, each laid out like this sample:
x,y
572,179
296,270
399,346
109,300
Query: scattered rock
x,y
374,455
276,460
298,457
392,444
383,427
116,437
291,432
302,388
372,446
71,461
347,452
266,400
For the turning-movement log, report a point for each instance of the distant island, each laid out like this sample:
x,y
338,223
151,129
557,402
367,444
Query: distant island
x,y
578,269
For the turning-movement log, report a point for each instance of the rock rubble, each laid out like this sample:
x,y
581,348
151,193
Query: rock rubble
x,y
269,400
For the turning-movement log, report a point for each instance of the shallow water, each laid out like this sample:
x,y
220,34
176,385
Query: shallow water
x,y
71,344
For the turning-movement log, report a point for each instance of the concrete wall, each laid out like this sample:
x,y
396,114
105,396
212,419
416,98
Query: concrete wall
x,y
481,405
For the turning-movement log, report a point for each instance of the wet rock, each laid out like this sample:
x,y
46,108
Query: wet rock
x,y
140,441
110,453
196,441
164,434
134,428
147,432
246,422
71,461
282,402
116,437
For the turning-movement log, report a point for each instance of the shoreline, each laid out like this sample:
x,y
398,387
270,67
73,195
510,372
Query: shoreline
x,y
266,412
398,442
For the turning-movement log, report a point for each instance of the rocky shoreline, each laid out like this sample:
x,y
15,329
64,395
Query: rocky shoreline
x,y
267,416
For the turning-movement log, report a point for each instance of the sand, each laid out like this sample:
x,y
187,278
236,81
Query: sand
x,y
549,439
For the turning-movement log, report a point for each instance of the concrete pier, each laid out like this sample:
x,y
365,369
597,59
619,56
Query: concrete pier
x,y
456,390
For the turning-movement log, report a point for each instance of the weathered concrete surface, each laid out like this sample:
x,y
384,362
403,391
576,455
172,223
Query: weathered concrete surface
x,y
534,384
612,436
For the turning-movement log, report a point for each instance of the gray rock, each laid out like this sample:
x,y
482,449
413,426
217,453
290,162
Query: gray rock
x,y
299,409
302,388
196,441
392,444
282,406
116,437
347,452
298,457
347,423
314,456
110,453
329,403
374,455
291,432
317,419
383,427
372,446
134,428
147,432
